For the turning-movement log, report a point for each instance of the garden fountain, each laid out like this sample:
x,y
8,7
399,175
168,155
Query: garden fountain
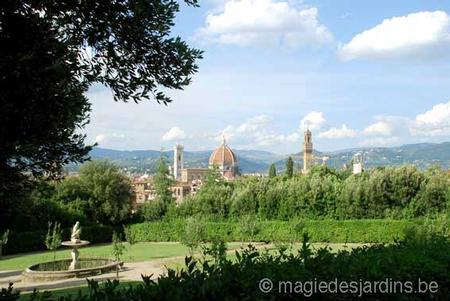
x,y
75,242
70,268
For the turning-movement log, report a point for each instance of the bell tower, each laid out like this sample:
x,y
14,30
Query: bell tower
x,y
177,161
307,151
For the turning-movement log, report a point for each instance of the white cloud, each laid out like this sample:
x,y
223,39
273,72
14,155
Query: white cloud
x,y
380,128
265,22
415,35
110,138
293,137
313,120
343,132
175,133
100,138
434,122
254,132
254,124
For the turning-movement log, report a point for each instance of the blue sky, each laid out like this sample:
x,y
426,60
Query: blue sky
x,y
358,73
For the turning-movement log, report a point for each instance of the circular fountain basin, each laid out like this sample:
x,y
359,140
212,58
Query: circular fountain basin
x,y
59,269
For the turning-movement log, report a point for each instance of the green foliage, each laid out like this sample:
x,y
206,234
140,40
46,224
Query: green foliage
x,y
272,171
108,190
100,194
3,241
10,294
153,211
335,231
249,226
117,246
289,167
392,192
40,84
212,199
193,234
130,236
52,51
162,183
405,261
53,238
33,240
217,250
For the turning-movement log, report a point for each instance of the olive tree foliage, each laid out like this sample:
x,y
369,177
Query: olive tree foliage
x,y
52,51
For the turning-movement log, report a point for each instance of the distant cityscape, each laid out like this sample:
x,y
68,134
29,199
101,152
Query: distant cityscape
x,y
188,179
422,155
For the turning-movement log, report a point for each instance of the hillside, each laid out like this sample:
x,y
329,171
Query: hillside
x,y
422,155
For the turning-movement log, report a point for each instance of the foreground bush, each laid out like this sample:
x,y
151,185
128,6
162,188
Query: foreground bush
x,y
403,264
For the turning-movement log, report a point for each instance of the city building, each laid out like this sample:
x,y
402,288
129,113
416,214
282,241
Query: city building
x,y
187,180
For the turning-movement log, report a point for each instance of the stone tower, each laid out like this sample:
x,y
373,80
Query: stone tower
x,y
177,161
357,164
307,151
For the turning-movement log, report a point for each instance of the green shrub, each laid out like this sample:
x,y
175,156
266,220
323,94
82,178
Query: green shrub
x,y
153,211
336,231
34,240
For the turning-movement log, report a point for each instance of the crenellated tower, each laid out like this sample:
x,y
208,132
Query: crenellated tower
x,y
307,151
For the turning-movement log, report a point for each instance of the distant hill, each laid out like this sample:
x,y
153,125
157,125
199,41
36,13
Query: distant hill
x,y
422,155
250,161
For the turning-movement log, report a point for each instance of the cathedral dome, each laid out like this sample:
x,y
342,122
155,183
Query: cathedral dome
x,y
223,156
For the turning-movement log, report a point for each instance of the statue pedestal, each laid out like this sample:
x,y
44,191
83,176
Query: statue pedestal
x,y
75,254
74,263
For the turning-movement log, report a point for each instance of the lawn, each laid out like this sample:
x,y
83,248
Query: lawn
x,y
142,251
72,291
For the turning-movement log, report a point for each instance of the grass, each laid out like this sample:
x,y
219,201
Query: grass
x,y
139,252
142,251
72,291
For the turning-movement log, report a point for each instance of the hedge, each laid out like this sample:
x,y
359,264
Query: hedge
x,y
334,231
19,242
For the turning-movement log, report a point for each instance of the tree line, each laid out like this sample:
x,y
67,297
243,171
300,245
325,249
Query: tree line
x,y
387,192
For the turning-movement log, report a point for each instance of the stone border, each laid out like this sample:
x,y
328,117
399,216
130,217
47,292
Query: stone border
x,y
31,275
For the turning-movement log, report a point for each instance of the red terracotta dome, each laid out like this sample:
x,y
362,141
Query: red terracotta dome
x,y
223,156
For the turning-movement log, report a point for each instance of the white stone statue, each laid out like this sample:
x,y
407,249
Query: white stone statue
x,y
76,230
